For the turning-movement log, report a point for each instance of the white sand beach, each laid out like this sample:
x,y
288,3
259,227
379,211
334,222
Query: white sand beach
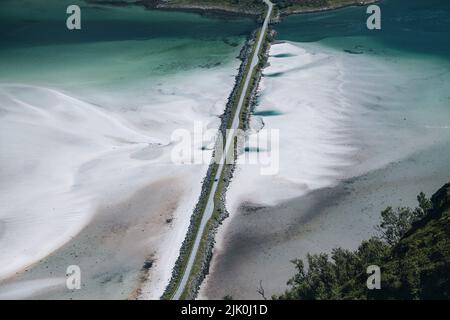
x,y
341,116
95,173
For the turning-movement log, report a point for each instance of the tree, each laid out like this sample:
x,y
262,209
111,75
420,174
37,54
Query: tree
x,y
414,258
425,205
395,223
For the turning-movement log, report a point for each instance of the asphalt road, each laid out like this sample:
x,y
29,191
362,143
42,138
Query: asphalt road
x,y
207,214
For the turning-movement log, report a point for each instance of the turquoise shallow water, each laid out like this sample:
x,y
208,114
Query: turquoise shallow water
x,y
119,47
115,45
410,58
388,92
147,72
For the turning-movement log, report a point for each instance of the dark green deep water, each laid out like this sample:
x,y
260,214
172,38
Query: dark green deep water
x,y
421,26
41,22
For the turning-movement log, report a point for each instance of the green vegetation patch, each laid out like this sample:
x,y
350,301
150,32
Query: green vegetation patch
x,y
412,250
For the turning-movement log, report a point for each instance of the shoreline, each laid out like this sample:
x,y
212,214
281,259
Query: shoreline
x,y
206,252
244,237
227,12
236,12
252,241
208,11
329,8
220,78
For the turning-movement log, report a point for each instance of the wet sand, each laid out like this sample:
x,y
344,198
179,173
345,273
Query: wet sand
x,y
116,252
257,243
358,133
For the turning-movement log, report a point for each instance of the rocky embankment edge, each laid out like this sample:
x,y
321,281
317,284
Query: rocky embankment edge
x,y
221,213
208,181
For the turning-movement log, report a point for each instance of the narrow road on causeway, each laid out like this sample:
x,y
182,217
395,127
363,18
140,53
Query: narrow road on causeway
x,y
228,148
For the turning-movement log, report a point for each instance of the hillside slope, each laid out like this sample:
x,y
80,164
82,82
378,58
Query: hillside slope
x,y
414,266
